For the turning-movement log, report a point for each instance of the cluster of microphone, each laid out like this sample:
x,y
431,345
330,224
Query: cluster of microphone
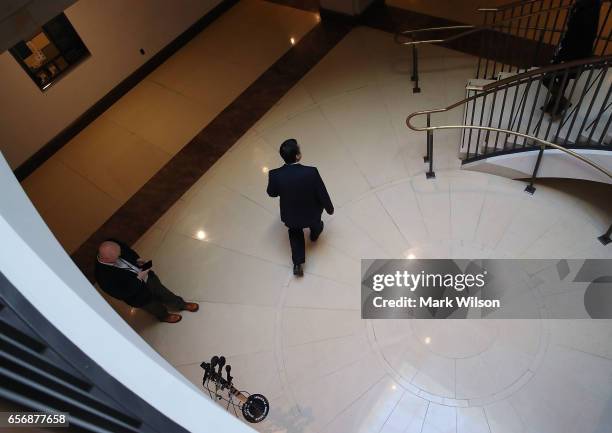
x,y
216,376
254,408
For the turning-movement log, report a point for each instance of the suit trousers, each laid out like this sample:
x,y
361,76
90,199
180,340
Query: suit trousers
x,y
296,239
162,298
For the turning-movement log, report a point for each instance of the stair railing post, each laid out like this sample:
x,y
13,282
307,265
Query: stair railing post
x,y
426,157
415,69
530,188
430,174
605,238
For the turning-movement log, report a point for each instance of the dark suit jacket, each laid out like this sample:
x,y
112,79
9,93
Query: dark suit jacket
x,y
122,283
302,194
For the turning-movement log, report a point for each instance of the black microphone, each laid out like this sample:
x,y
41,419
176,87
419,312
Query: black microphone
x,y
221,364
228,368
213,363
206,367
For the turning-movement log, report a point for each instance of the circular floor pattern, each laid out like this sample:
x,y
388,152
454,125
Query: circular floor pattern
x,y
459,362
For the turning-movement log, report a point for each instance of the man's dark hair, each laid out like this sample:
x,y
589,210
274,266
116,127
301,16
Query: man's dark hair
x,y
289,150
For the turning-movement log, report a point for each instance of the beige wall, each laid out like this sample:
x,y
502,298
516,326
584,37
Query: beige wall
x,y
113,31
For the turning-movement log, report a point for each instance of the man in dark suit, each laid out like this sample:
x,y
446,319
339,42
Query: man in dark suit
x,y
119,273
303,197
577,42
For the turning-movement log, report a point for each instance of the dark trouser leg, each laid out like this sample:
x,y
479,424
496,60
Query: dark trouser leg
x,y
163,295
557,103
315,230
157,309
298,247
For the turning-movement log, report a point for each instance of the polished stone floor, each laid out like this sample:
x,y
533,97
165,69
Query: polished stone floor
x,y
148,126
302,342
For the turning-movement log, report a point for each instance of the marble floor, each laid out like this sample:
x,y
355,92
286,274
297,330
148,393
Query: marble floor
x,y
302,342
142,131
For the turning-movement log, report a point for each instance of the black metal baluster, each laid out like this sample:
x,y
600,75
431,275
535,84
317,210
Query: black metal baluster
x,y
530,188
535,102
593,98
579,104
605,238
472,123
604,133
426,157
430,174
558,99
415,69
487,134
501,116
511,116
602,110
565,118
522,106
482,109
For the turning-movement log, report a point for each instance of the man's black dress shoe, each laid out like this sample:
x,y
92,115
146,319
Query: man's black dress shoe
x,y
298,271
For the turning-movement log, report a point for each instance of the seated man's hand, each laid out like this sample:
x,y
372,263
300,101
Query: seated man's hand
x,y
141,261
144,275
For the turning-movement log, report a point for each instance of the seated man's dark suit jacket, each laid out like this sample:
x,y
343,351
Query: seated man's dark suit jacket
x,y
123,284
303,195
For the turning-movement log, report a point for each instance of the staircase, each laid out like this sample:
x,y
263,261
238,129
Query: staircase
x,y
521,109
516,103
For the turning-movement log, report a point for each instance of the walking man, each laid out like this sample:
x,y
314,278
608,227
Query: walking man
x,y
303,197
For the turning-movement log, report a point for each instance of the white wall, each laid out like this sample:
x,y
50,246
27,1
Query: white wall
x,y
113,31
36,264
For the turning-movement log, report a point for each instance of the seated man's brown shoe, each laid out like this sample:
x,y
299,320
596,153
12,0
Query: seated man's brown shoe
x,y
191,306
172,318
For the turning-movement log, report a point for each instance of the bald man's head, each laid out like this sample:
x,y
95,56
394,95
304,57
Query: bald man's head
x,y
109,252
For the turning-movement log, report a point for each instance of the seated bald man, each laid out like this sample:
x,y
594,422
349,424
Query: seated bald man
x,y
119,273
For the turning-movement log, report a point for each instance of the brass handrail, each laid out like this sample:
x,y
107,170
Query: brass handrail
x,y
473,28
524,76
543,143
592,63
515,80
516,4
